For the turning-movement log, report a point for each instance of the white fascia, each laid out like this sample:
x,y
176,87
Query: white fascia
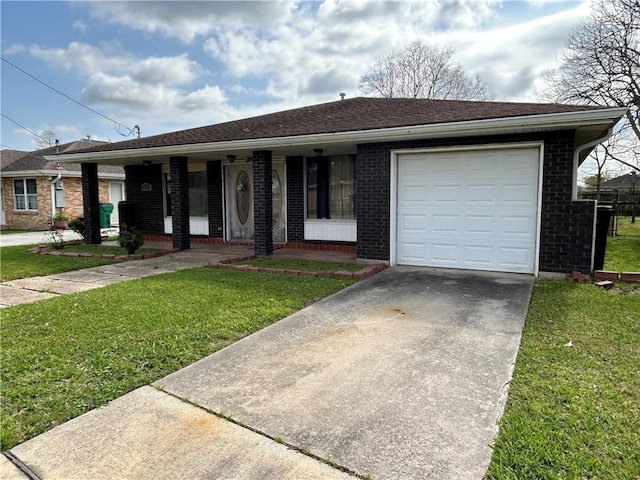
x,y
54,173
452,129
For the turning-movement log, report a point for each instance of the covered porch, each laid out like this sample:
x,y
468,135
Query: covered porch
x,y
296,197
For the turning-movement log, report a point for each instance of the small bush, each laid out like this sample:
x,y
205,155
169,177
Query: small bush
x,y
131,239
77,225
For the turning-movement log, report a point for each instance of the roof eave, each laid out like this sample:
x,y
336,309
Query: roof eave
x,y
608,116
54,173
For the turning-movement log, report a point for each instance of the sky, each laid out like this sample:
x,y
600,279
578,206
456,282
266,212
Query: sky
x,y
167,66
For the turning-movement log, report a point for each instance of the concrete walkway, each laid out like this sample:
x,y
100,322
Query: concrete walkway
x,y
402,375
39,237
28,290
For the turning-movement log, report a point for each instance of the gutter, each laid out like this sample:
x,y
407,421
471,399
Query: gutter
x,y
576,159
51,173
452,129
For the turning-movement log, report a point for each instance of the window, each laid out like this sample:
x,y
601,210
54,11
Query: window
x,y
197,194
25,194
331,187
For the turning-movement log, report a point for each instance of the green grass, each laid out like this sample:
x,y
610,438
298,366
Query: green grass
x,y
103,249
625,227
17,262
623,254
305,265
64,356
574,411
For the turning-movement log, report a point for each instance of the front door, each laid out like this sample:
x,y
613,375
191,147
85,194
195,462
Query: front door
x,y
116,195
239,201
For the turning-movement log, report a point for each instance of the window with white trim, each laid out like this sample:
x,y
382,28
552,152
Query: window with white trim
x,y
25,194
197,194
331,187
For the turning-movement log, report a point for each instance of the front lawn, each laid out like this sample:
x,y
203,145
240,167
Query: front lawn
x,y
623,254
574,402
18,262
304,265
102,249
65,356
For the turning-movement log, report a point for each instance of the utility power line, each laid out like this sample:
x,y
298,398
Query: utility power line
x,y
117,125
23,127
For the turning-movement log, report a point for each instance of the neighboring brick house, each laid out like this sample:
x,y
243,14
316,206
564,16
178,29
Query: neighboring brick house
x,y
34,189
437,183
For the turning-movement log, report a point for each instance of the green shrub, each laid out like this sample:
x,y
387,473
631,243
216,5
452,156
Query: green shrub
x,y
131,239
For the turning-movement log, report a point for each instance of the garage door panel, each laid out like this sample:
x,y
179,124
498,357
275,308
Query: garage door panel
x,y
446,194
414,195
522,225
444,253
520,193
475,210
479,224
413,224
414,252
446,224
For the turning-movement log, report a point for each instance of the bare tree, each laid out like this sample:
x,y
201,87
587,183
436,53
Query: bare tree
x,y
601,66
422,71
45,140
598,174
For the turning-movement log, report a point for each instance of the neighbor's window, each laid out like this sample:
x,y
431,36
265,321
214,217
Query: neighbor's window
x,y
331,187
197,194
25,194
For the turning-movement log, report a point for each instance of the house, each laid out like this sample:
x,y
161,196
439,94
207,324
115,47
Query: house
x,y
623,192
438,183
34,188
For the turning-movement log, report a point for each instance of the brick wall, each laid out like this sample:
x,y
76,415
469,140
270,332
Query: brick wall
x,y
41,220
295,199
214,198
262,203
566,225
148,205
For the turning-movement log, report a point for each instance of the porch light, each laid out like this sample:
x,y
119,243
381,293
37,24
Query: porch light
x,y
318,152
231,158
146,163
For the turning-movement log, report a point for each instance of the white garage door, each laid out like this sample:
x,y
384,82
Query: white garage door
x,y
472,210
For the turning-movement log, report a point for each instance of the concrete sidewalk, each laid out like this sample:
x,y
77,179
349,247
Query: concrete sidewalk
x,y
28,290
402,375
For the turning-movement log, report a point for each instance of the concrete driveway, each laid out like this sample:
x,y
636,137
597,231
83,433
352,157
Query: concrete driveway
x,y
402,375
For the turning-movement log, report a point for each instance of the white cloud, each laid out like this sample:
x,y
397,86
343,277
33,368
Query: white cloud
x,y
80,26
268,56
14,49
188,20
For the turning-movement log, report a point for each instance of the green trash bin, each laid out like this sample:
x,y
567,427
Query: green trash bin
x,y
105,215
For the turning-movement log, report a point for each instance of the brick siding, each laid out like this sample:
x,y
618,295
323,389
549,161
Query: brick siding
x,y
295,199
91,203
148,206
180,202
41,220
262,203
566,225
214,198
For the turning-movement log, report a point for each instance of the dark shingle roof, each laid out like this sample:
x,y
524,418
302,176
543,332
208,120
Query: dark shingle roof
x,y
18,161
620,183
355,114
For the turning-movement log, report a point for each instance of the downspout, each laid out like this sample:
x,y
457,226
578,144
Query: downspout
x,y
53,196
574,195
